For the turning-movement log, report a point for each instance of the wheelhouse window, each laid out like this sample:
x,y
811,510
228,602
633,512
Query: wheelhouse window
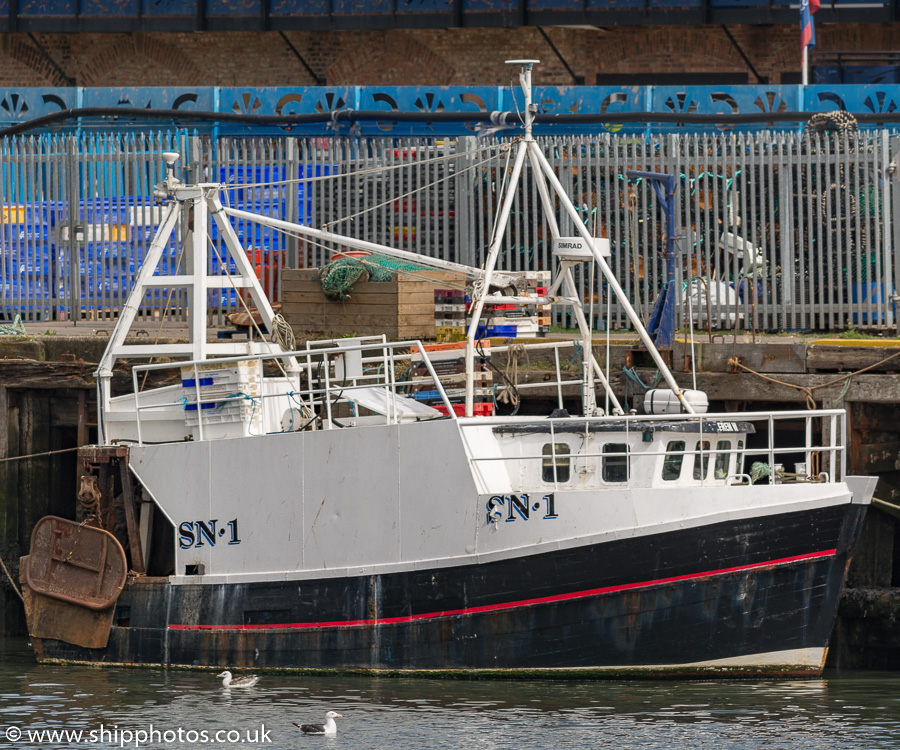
x,y
556,454
701,459
673,460
615,462
723,459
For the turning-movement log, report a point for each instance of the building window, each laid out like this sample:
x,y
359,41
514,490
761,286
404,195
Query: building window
x,y
673,461
701,459
615,462
561,462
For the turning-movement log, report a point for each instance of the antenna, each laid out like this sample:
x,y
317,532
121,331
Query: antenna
x,y
164,190
525,83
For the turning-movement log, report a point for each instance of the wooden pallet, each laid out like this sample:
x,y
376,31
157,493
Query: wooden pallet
x,y
402,308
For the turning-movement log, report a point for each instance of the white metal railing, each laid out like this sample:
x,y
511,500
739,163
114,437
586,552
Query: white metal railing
x,y
558,383
378,360
315,383
826,460
311,380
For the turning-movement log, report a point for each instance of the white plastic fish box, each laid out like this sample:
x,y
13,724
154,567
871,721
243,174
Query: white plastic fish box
x,y
240,419
664,401
232,410
216,379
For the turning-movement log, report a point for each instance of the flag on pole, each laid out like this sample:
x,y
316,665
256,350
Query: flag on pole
x,y
807,26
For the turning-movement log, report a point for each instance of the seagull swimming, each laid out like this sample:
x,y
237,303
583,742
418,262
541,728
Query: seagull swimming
x,y
329,727
238,682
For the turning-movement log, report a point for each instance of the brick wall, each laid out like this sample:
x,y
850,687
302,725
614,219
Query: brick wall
x,y
407,57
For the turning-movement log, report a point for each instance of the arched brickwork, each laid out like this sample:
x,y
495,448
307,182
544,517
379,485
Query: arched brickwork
x,y
391,58
15,47
666,50
426,57
125,49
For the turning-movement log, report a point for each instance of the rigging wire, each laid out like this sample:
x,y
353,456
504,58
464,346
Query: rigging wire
x,y
405,195
262,337
162,318
500,195
372,170
408,272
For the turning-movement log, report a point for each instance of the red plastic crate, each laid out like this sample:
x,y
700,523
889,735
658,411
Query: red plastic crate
x,y
478,410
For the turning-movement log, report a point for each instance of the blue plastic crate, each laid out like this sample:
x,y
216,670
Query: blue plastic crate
x,y
874,293
497,331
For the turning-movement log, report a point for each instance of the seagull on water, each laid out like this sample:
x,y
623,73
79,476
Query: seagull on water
x,y
238,682
329,727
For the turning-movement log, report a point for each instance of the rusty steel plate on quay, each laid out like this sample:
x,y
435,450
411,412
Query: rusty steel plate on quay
x,y
74,563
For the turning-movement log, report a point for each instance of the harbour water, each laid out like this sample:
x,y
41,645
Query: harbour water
x,y
190,709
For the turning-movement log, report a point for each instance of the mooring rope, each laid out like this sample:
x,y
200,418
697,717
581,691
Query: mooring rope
x,y
11,581
807,390
38,455
16,329
509,393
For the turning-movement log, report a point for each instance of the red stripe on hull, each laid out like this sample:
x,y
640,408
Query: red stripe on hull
x,y
517,604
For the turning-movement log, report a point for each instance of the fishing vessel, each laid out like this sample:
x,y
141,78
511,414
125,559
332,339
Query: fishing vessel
x,y
311,513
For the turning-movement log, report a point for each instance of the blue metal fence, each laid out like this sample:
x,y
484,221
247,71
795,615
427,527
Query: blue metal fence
x,y
20,105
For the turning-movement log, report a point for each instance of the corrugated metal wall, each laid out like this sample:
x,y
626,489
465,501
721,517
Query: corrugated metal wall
x,y
774,230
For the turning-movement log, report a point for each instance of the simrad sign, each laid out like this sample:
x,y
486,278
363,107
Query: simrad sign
x,y
577,248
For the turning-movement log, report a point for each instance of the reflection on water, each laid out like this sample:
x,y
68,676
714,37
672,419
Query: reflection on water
x,y
859,710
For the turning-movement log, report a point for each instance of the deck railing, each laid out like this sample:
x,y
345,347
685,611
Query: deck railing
x,y
823,450
314,381
328,373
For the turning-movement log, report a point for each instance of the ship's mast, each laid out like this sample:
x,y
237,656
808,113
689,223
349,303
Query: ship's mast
x,y
528,149
197,203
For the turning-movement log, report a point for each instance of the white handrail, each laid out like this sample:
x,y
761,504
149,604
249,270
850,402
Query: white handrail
x,y
627,424
313,360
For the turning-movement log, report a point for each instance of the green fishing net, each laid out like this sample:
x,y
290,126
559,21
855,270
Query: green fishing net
x,y
759,470
338,277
